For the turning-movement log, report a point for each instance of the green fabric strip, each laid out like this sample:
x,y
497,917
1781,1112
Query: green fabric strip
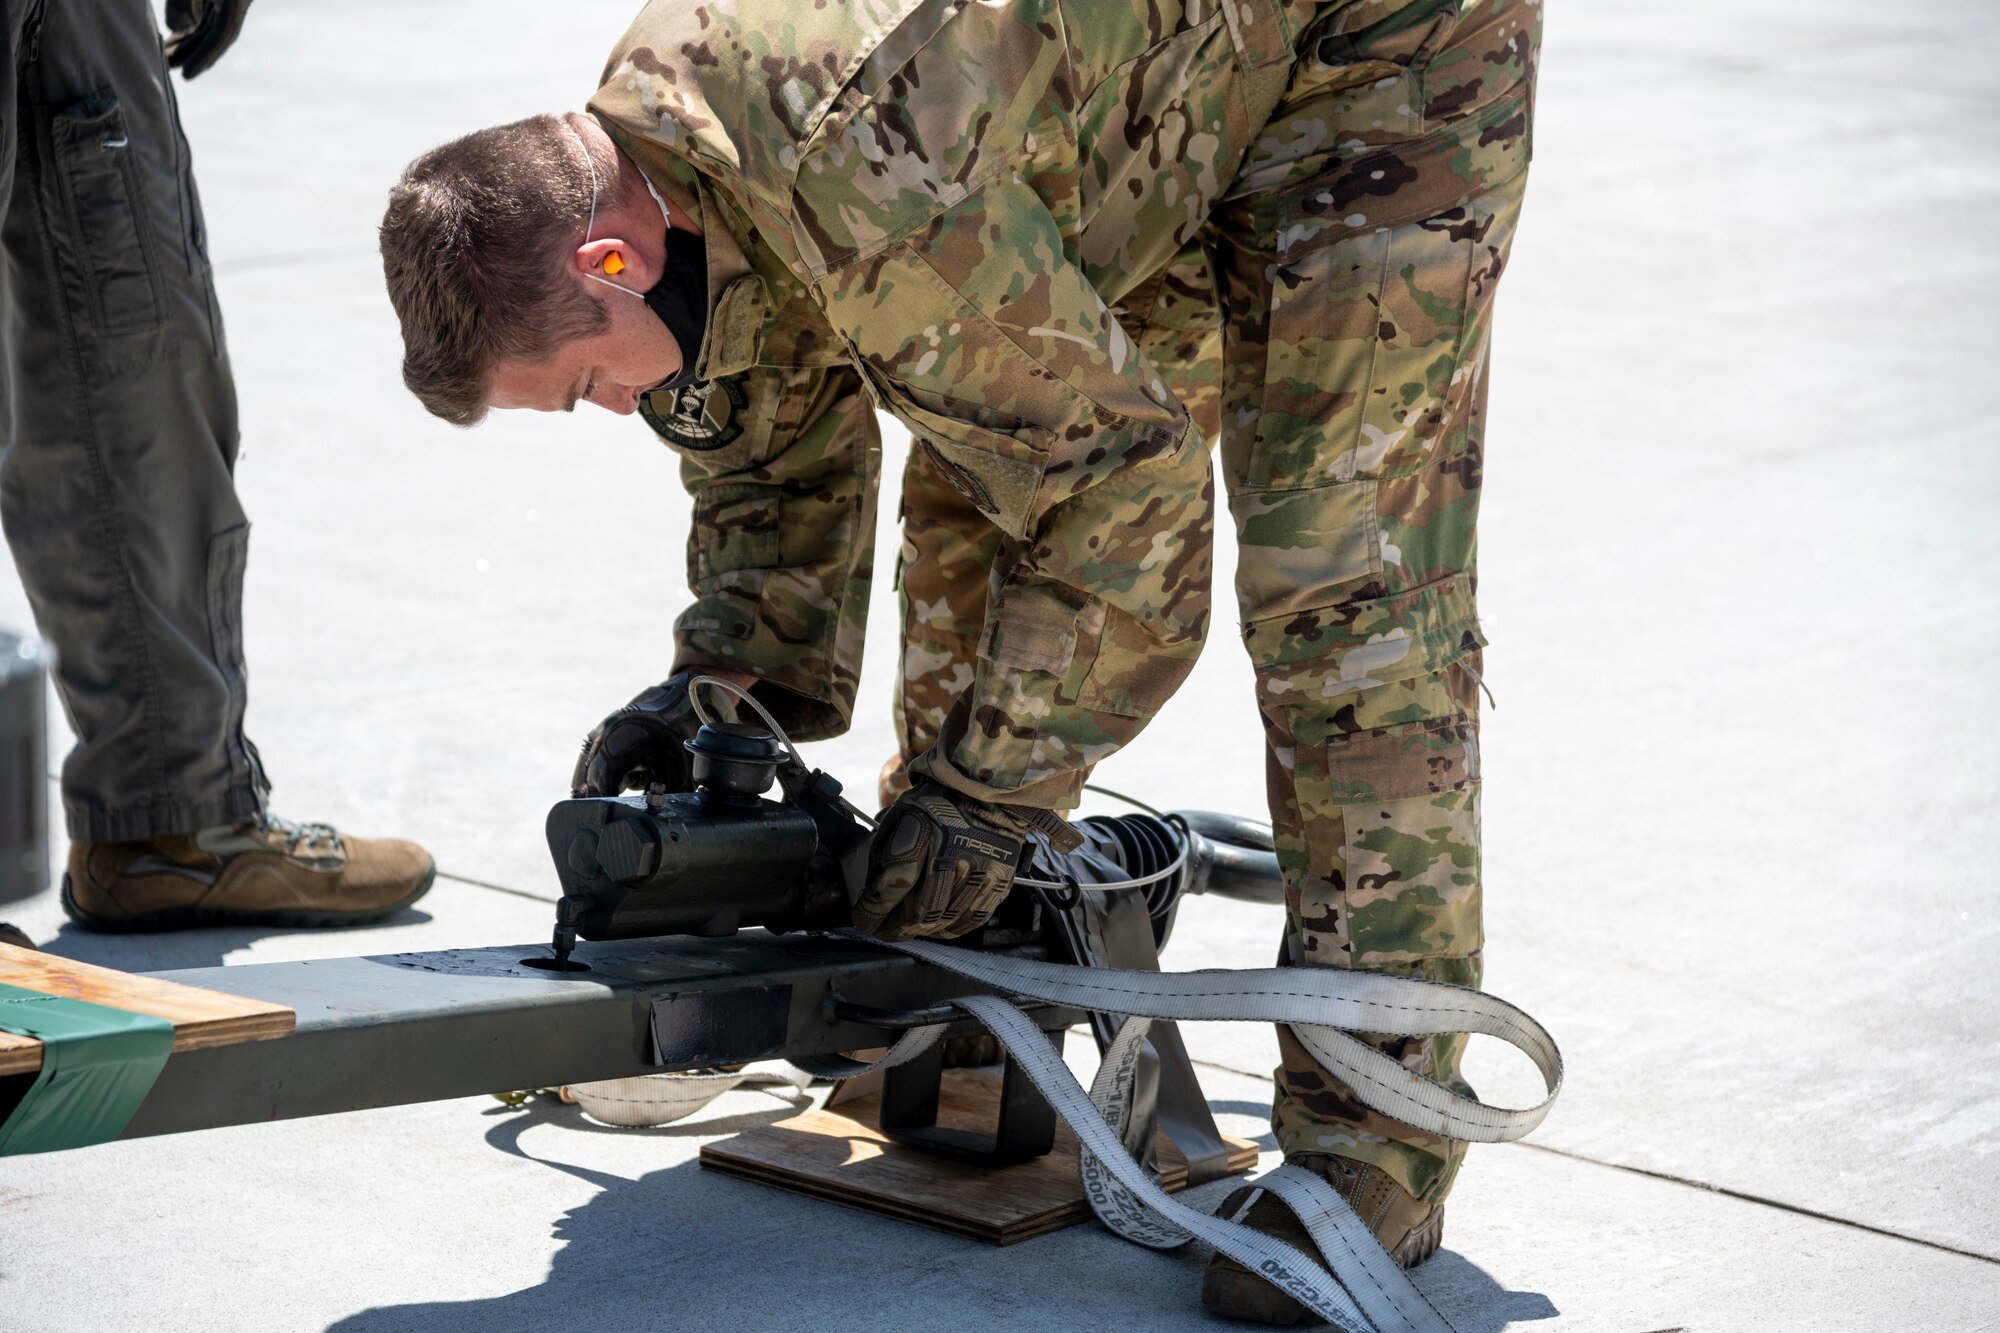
x,y
98,1064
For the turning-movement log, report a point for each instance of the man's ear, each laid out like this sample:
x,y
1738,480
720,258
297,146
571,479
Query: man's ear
x,y
613,259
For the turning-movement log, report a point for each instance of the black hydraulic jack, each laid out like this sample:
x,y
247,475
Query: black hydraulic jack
x,y
724,857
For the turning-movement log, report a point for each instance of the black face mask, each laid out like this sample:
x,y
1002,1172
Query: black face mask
x,y
680,298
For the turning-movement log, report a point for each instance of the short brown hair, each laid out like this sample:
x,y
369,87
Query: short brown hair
x,y
472,249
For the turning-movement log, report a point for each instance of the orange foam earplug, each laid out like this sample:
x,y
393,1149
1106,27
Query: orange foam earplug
x,y
614,263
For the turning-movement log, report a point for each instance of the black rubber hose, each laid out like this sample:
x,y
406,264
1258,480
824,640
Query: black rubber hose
x,y
1236,830
1241,873
1227,856
1232,857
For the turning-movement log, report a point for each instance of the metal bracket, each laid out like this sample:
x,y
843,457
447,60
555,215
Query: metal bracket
x,y
908,1113
1025,1130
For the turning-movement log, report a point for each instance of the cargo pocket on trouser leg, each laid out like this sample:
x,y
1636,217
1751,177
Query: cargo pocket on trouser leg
x,y
1087,635
1385,782
101,196
1063,681
1381,790
1409,802
1365,294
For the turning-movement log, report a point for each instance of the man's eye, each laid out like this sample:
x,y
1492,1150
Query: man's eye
x,y
590,386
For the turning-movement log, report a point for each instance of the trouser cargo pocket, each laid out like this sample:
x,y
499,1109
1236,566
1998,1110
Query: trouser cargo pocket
x,y
1408,798
101,195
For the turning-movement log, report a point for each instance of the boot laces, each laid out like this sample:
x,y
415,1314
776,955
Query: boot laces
x,y
307,834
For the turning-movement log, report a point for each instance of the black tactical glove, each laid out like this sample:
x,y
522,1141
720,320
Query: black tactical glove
x,y
942,862
640,744
199,31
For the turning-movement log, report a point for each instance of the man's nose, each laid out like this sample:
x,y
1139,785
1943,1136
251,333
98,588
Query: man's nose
x,y
622,401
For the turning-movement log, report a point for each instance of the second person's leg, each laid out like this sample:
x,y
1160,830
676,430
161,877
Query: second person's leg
x,y
120,439
117,447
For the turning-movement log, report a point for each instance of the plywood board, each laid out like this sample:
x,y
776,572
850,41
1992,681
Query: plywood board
x,y
839,1155
201,1018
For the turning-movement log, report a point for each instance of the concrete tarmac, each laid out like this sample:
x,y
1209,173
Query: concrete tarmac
x,y
1740,578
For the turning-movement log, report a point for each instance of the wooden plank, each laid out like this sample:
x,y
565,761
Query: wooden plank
x,y
838,1155
201,1018
19,1055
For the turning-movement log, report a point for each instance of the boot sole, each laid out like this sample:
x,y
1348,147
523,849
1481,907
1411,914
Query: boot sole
x,y
1234,1292
1422,1242
187,918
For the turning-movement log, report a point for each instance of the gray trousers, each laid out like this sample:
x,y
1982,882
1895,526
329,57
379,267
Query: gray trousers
x,y
118,424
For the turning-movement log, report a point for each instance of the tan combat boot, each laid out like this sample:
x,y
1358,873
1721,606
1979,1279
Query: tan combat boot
x,y
262,872
1408,1229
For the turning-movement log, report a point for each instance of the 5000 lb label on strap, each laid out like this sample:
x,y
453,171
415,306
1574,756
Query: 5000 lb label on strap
x,y
98,1064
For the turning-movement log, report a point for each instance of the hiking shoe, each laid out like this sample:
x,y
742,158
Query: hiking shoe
x,y
1408,1229
15,936
259,872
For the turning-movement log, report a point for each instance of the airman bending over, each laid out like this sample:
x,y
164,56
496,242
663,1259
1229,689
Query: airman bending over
x,y
1066,242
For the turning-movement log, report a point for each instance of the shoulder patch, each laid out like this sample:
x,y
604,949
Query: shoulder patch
x,y
701,416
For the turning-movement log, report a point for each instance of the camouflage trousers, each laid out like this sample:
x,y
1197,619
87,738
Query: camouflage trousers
x,y
1333,326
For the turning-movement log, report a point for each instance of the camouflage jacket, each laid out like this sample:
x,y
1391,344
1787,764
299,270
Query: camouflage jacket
x,y
940,204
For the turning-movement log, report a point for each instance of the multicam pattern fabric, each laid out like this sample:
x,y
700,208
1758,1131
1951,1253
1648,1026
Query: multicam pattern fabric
x,y
942,573
782,465
1365,243
1067,242
873,153
949,547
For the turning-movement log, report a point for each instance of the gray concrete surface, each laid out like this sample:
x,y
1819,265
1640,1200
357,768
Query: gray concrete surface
x,y
1740,571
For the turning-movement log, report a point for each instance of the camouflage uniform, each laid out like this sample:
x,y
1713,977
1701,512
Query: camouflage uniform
x,y
1065,243
948,546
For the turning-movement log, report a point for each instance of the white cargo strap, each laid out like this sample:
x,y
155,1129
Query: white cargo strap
x,y
1362,1290
648,1100
1316,1003
908,1047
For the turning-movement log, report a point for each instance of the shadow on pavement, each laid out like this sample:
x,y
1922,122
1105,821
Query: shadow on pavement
x,y
204,946
685,1248
625,1259
1474,1301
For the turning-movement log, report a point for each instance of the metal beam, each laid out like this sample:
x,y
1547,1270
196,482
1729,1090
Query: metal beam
x,y
402,1028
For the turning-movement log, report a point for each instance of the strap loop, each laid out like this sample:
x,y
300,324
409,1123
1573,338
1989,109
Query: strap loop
x,y
1362,1289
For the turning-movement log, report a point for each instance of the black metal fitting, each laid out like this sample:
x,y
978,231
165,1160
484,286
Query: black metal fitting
x,y
734,758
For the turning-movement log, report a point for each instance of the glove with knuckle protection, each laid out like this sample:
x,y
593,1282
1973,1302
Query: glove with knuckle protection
x,y
942,862
640,744
199,31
